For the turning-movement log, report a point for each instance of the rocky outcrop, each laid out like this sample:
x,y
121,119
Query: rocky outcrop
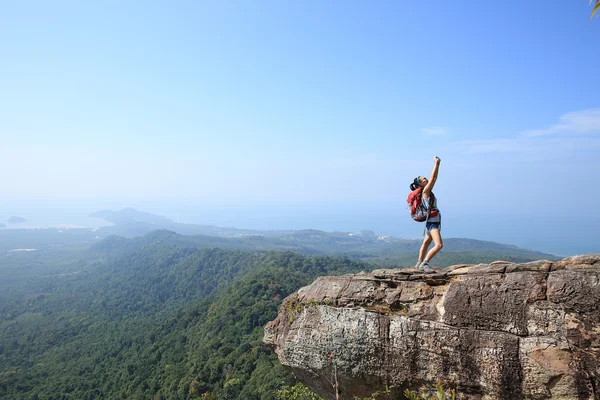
x,y
492,331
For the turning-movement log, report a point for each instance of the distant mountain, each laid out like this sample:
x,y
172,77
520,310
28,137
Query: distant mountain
x,y
393,252
16,220
130,222
127,215
366,245
2,225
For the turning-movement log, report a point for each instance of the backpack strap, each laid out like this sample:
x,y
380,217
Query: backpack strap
x,y
431,201
428,210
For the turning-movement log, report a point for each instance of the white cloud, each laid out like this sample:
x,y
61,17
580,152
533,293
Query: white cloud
x,y
586,121
579,128
493,146
435,131
531,146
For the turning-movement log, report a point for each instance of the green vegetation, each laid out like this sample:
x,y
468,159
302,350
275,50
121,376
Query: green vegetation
x,y
296,392
377,395
156,321
436,392
167,316
301,392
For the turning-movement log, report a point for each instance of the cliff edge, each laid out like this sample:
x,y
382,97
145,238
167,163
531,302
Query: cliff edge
x,y
492,331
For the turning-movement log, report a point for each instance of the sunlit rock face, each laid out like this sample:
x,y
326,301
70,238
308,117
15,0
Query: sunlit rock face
x,y
492,331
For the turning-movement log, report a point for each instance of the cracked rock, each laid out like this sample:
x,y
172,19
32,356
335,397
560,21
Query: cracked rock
x,y
493,331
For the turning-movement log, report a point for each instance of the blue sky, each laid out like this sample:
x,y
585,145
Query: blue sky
x,y
221,109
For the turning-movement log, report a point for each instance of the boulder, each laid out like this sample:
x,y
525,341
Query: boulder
x,y
491,331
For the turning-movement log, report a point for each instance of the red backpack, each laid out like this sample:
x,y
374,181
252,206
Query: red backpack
x,y
418,212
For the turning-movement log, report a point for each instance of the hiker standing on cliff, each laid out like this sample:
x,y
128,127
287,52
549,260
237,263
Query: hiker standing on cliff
x,y
433,221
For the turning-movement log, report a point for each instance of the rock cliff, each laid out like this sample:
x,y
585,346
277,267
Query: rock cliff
x,y
492,331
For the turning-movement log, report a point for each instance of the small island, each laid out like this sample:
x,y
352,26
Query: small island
x,y
2,225
16,220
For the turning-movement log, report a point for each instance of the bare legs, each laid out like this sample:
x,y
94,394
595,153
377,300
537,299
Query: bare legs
x,y
426,242
432,236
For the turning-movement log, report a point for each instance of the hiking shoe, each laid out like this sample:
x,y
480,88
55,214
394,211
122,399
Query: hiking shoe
x,y
424,266
418,265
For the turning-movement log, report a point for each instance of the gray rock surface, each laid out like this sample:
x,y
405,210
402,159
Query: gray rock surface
x,y
492,331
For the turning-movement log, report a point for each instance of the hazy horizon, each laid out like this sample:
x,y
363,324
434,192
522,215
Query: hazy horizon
x,y
390,220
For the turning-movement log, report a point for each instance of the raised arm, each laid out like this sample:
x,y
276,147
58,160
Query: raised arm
x,y
434,173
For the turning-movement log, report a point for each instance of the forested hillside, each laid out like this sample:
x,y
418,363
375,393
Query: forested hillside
x,y
158,321
390,252
169,316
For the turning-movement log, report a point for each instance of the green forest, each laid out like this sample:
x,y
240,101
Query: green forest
x,y
167,316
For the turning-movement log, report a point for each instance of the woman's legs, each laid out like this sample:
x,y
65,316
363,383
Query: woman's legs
x,y
437,239
425,246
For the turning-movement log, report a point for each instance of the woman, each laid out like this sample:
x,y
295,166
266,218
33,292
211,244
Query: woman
x,y
433,224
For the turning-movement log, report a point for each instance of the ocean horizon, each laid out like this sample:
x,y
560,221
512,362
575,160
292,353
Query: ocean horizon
x,y
551,234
